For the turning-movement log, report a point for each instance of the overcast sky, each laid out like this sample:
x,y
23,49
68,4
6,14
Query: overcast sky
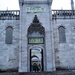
x,y
14,5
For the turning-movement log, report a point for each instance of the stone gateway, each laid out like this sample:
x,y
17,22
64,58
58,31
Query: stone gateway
x,y
37,38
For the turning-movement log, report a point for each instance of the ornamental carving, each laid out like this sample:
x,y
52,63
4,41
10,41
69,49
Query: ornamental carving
x,y
36,26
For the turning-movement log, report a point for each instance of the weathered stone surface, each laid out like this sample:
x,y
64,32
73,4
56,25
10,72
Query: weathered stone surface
x,y
9,52
55,54
45,19
65,50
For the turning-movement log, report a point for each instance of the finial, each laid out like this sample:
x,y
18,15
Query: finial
x,y
7,8
61,8
35,19
72,4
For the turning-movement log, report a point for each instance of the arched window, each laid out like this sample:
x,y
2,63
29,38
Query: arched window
x,y
9,32
62,38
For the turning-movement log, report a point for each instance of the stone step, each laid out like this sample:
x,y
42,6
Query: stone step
x,y
10,73
40,73
48,73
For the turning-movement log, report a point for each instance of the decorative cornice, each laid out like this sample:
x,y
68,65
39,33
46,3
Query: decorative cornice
x,y
35,2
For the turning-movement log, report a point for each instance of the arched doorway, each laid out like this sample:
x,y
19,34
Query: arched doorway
x,y
36,60
36,45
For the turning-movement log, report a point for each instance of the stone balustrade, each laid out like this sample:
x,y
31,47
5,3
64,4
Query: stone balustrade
x,y
63,14
56,14
10,15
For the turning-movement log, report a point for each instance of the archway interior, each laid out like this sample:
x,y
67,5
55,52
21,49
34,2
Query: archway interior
x,y
36,59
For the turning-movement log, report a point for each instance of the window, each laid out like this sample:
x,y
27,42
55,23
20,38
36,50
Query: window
x,y
9,32
62,38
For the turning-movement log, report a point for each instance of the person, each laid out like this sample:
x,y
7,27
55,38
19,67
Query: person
x,y
39,66
35,67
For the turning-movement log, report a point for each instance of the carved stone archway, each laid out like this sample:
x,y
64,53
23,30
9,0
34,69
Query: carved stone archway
x,y
36,31
36,27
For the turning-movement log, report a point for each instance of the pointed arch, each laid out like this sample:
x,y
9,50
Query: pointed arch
x,y
36,26
9,33
62,37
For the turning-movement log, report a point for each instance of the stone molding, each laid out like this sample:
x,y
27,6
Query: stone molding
x,y
35,2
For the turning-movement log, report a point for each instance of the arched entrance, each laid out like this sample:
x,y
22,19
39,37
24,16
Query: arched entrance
x,y
36,46
36,60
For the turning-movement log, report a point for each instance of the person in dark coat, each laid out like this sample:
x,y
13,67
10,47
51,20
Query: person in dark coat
x,y
35,67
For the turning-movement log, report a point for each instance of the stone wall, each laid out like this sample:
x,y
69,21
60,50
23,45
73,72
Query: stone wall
x,y
64,52
9,58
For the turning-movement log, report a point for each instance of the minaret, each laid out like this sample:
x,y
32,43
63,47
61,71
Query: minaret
x,y
72,4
